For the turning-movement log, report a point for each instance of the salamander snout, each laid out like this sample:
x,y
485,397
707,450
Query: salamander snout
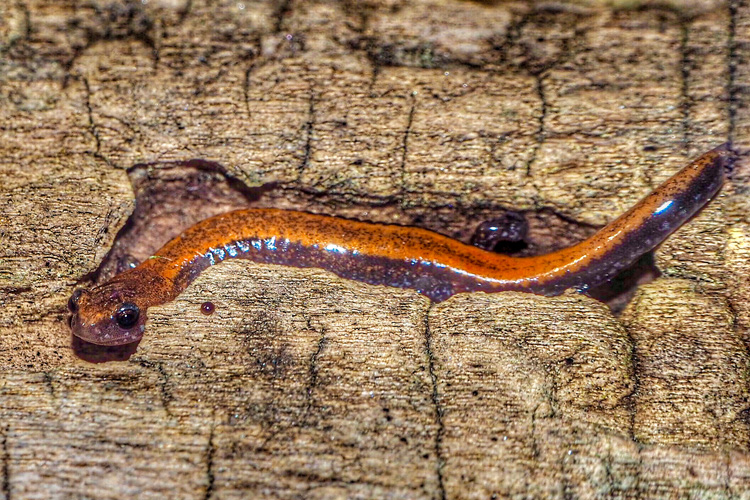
x,y
102,317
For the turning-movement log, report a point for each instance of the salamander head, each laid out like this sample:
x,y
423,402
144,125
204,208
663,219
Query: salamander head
x,y
109,314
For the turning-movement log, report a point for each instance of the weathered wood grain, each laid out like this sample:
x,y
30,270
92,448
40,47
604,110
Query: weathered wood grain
x,y
303,385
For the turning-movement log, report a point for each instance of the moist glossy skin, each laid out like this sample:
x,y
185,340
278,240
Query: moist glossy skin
x,y
397,256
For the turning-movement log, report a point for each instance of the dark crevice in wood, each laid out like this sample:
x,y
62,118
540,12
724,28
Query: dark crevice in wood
x,y
535,453
210,452
92,124
312,382
48,382
23,6
513,34
164,392
246,87
439,413
685,104
6,463
175,195
309,130
113,21
629,401
284,9
184,12
405,145
540,132
733,90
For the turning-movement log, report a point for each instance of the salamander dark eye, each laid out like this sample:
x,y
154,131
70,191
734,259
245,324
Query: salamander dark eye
x,y
127,315
73,301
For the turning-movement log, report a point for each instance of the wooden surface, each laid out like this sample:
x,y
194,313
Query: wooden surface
x,y
303,385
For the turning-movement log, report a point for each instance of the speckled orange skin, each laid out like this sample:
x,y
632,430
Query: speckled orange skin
x,y
406,257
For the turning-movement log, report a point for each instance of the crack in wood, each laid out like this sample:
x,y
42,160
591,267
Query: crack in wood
x,y
48,382
404,145
313,372
246,88
309,126
733,90
210,452
540,133
164,392
6,463
90,113
439,413
685,108
284,9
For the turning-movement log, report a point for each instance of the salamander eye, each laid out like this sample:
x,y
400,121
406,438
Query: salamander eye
x,y
127,315
73,301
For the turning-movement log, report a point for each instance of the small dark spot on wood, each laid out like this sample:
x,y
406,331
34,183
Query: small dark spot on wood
x,y
208,308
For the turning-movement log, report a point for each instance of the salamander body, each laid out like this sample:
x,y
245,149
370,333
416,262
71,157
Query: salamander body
x,y
114,312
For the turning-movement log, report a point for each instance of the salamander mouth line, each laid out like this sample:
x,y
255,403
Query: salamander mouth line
x,y
436,266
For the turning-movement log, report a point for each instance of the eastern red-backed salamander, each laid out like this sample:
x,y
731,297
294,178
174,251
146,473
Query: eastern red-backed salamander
x,y
114,313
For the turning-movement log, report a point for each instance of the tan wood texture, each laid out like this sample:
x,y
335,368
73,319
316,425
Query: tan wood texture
x,y
439,113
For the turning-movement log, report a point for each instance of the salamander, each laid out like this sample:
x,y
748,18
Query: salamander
x,y
434,265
